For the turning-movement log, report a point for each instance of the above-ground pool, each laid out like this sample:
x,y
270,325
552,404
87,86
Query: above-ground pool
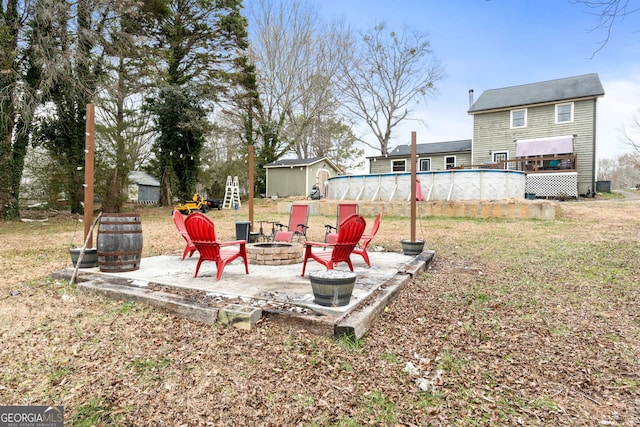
x,y
449,185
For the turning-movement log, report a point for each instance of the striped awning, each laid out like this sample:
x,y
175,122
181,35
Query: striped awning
x,y
544,146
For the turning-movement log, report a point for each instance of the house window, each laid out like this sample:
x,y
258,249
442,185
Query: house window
x,y
564,113
519,118
398,166
449,162
425,165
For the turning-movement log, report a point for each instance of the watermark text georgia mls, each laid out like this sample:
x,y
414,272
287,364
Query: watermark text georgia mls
x,y
31,416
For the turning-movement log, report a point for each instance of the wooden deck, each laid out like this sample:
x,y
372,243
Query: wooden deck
x,y
532,164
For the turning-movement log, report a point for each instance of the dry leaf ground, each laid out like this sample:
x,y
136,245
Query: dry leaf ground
x,y
515,323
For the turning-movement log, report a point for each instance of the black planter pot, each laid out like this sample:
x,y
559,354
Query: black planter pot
x,y
332,288
89,258
412,247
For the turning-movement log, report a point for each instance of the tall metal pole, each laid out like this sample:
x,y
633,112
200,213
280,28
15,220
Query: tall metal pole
x,y
89,151
413,186
251,180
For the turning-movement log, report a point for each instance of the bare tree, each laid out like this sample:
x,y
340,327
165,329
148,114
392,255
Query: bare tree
x,y
606,168
296,57
387,73
607,13
631,137
626,173
335,140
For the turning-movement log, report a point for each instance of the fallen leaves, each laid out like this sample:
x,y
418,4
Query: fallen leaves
x,y
501,330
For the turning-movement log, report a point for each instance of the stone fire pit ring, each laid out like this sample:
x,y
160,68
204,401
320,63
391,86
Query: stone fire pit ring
x,y
274,253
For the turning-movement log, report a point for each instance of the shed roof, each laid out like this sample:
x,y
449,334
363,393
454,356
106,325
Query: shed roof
x,y
143,178
584,86
431,148
285,163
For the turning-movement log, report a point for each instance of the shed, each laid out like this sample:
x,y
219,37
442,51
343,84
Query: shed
x,y
296,177
143,188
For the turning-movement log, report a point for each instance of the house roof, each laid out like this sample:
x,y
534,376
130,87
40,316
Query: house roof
x,y
143,178
585,86
430,148
285,163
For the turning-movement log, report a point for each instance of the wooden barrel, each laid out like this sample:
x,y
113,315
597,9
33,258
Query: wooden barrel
x,y
119,242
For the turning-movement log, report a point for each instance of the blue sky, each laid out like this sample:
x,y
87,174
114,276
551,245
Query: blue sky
x,y
499,43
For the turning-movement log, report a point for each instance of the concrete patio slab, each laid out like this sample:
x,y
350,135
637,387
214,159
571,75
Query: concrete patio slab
x,y
279,291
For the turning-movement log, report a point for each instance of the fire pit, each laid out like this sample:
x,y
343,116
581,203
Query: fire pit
x,y
274,253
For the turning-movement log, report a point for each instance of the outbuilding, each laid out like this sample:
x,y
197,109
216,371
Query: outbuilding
x,y
143,188
296,177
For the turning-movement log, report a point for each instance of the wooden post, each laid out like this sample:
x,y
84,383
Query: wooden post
x,y
251,184
413,186
89,151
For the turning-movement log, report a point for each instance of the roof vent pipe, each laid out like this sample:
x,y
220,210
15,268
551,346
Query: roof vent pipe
x,y
470,97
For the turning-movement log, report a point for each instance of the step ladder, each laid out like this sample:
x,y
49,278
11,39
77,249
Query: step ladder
x,y
231,193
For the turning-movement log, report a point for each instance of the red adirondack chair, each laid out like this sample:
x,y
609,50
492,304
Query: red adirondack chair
x,y
203,235
366,238
349,234
178,220
298,219
344,211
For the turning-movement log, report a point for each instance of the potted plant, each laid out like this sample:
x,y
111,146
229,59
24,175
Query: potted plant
x,y
87,257
413,246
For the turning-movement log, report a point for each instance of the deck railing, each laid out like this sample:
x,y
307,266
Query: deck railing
x,y
532,164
